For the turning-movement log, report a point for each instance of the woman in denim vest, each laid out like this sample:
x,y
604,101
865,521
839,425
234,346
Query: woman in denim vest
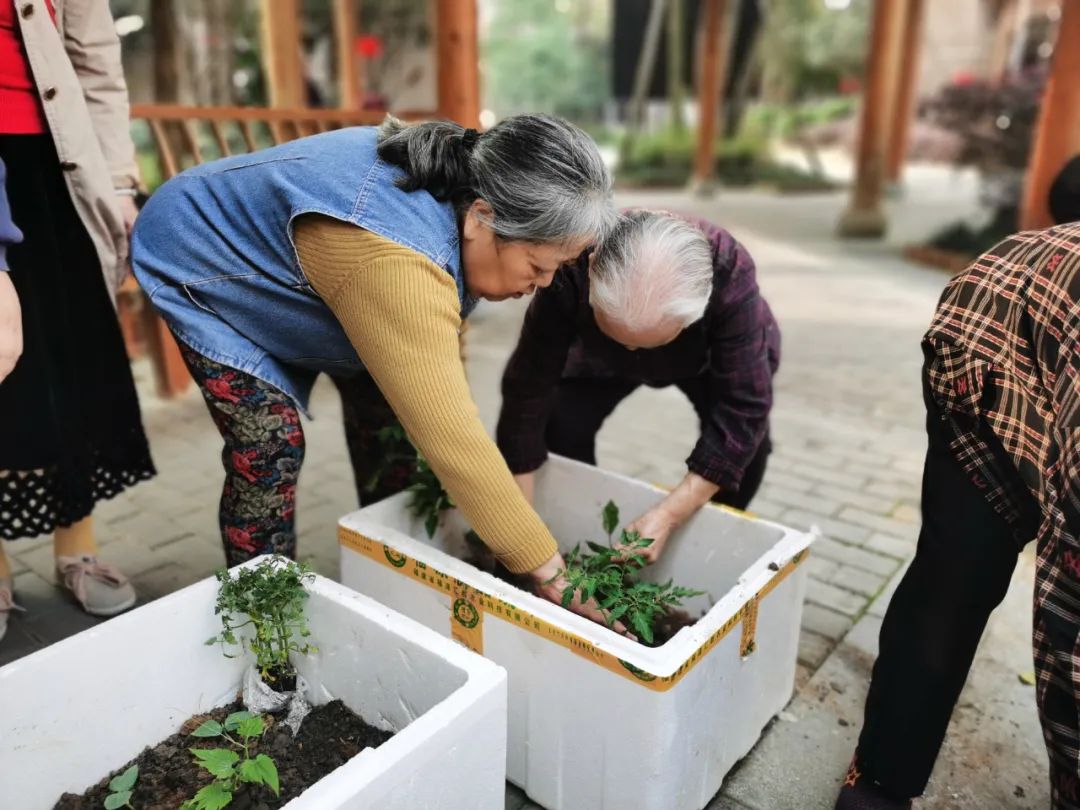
x,y
359,253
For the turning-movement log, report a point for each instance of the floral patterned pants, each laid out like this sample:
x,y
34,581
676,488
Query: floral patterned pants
x,y
264,449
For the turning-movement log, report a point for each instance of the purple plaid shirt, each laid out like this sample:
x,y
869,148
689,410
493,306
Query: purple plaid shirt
x,y
735,348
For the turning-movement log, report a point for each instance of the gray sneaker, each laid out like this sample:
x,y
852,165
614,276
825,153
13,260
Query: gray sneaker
x,y
7,604
101,589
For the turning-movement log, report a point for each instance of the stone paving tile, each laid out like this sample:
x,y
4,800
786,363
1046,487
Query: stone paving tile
x,y
890,489
825,622
830,527
834,598
857,580
818,503
843,478
775,475
17,642
814,649
908,513
886,525
723,802
853,556
59,623
892,546
770,510
820,567
863,500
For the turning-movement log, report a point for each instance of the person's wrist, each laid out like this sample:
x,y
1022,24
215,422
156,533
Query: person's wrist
x,y
548,571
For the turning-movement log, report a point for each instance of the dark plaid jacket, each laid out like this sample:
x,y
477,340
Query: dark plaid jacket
x,y
1002,356
735,347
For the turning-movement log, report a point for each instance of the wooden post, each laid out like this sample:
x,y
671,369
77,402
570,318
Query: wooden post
x,y
345,28
908,83
281,52
458,61
1057,138
710,85
864,217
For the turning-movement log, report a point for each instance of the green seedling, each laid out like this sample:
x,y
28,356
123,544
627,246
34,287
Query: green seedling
x,y
234,766
269,598
610,575
120,789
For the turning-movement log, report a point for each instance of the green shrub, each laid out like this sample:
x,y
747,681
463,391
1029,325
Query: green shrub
x,y
665,159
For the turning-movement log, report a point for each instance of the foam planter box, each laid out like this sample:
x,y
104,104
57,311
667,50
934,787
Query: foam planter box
x,y
82,707
598,720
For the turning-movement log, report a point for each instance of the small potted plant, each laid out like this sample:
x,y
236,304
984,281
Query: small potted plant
x,y
395,707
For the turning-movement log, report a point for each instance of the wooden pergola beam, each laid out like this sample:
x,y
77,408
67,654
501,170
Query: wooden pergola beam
x,y
1057,136
281,52
864,217
457,57
710,86
345,30
908,82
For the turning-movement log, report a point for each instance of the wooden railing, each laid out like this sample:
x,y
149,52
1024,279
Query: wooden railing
x,y
186,136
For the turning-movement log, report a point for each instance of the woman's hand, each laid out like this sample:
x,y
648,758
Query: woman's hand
x,y
11,338
128,211
657,525
549,584
668,515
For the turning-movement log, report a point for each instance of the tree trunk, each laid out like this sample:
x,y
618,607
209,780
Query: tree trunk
x,y
643,77
166,52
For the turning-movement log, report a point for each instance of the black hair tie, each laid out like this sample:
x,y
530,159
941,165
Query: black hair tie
x,y
469,138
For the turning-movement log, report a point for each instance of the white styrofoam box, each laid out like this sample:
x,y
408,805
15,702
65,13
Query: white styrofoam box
x,y
597,720
81,708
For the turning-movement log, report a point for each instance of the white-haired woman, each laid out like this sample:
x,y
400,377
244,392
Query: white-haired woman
x,y
665,300
361,252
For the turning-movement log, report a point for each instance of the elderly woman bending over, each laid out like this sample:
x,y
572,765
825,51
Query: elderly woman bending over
x,y
664,300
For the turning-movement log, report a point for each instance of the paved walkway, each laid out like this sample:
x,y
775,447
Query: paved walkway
x,y
846,429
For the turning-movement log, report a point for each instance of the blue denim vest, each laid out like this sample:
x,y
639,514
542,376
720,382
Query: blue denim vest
x,y
213,250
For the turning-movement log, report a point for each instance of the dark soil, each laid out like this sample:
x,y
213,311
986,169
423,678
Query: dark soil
x,y
481,557
329,737
282,680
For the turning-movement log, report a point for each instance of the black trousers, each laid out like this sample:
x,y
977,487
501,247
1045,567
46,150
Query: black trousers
x,y
963,563
584,404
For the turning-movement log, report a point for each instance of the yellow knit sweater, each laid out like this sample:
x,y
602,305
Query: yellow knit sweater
x,y
402,315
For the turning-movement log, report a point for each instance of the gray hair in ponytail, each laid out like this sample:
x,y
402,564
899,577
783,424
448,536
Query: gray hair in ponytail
x,y
543,177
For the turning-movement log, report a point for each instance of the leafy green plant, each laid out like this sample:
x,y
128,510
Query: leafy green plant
x,y
665,158
610,574
120,789
269,598
428,498
231,768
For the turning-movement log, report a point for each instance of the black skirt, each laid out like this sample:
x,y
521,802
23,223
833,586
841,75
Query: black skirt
x,y
70,429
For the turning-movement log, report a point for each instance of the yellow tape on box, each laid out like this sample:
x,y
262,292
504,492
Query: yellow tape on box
x,y
470,606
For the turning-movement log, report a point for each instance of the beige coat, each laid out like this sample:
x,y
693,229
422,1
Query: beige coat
x,y
77,70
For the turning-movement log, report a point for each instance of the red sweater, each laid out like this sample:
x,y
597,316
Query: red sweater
x,y
20,107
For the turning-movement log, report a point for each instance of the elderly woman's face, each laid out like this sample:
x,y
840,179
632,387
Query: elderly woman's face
x,y
496,269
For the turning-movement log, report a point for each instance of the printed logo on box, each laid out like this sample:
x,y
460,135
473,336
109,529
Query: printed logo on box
x,y
395,558
465,613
